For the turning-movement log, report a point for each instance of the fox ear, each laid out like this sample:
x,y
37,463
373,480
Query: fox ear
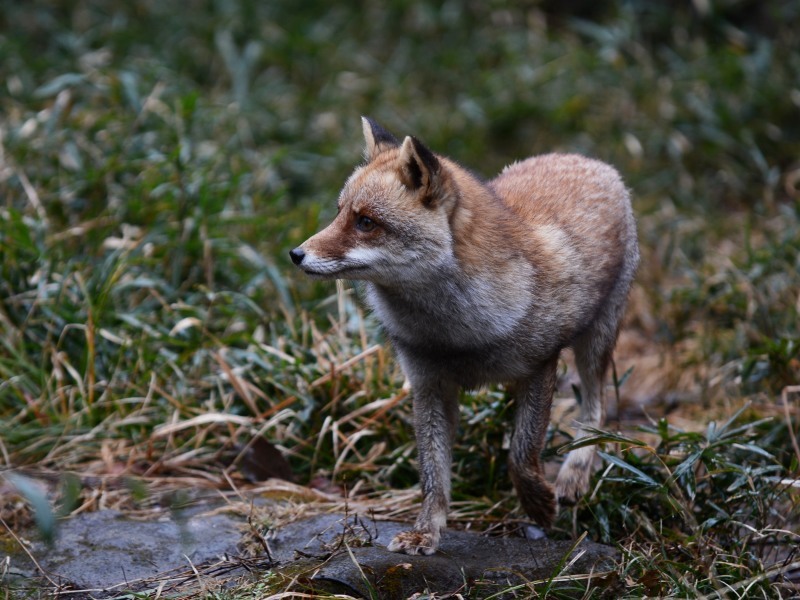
x,y
377,139
419,167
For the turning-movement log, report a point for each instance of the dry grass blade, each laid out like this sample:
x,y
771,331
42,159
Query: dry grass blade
x,y
747,583
791,389
200,420
303,595
345,365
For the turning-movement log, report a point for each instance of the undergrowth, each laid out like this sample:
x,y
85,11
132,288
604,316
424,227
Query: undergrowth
x,y
156,164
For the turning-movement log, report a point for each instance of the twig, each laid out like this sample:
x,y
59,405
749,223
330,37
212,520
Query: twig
x,y
195,571
254,529
28,552
260,538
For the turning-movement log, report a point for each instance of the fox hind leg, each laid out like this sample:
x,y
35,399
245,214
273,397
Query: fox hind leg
x,y
533,398
593,351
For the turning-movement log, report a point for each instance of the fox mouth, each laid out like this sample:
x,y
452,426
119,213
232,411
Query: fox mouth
x,y
328,267
333,273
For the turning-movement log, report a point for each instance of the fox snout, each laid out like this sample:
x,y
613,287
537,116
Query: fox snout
x,y
324,256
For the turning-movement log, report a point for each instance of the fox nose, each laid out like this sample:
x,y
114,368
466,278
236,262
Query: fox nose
x,y
297,255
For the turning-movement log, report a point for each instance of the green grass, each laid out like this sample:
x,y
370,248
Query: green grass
x,y
704,511
157,163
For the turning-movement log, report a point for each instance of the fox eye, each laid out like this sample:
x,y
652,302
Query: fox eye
x,y
365,224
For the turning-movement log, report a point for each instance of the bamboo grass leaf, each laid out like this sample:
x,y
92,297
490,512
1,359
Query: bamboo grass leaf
x,y
639,475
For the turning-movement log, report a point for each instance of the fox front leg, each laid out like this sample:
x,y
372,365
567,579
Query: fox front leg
x,y
435,422
534,398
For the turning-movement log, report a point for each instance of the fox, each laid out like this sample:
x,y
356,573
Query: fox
x,y
485,282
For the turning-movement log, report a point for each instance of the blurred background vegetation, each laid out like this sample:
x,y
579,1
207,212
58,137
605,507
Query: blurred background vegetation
x,y
159,159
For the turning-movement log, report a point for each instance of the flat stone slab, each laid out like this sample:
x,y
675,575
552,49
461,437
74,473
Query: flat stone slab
x,y
351,557
104,554
106,551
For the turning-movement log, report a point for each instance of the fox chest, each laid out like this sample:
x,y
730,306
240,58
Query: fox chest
x,y
473,338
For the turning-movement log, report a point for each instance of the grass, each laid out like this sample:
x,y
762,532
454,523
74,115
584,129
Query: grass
x,y
156,165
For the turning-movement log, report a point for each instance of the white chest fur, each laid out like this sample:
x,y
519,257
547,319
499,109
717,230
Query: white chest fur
x,y
453,310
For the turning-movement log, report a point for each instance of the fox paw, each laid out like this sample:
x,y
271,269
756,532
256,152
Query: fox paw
x,y
414,542
572,483
537,498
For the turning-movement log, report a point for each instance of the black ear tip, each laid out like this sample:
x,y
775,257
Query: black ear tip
x,y
379,134
428,157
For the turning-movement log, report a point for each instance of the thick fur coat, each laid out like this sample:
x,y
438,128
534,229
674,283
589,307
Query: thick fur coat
x,y
479,282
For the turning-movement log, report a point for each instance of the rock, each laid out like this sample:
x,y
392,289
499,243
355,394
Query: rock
x,y
105,554
352,558
104,551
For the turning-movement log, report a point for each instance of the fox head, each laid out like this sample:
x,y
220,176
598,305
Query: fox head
x,y
393,215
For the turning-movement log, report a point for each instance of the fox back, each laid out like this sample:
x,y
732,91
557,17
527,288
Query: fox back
x,y
484,281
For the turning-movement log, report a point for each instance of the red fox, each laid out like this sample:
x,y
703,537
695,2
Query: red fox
x,y
479,282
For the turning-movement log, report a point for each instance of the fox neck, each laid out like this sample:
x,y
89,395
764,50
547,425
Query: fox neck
x,y
476,288
451,307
